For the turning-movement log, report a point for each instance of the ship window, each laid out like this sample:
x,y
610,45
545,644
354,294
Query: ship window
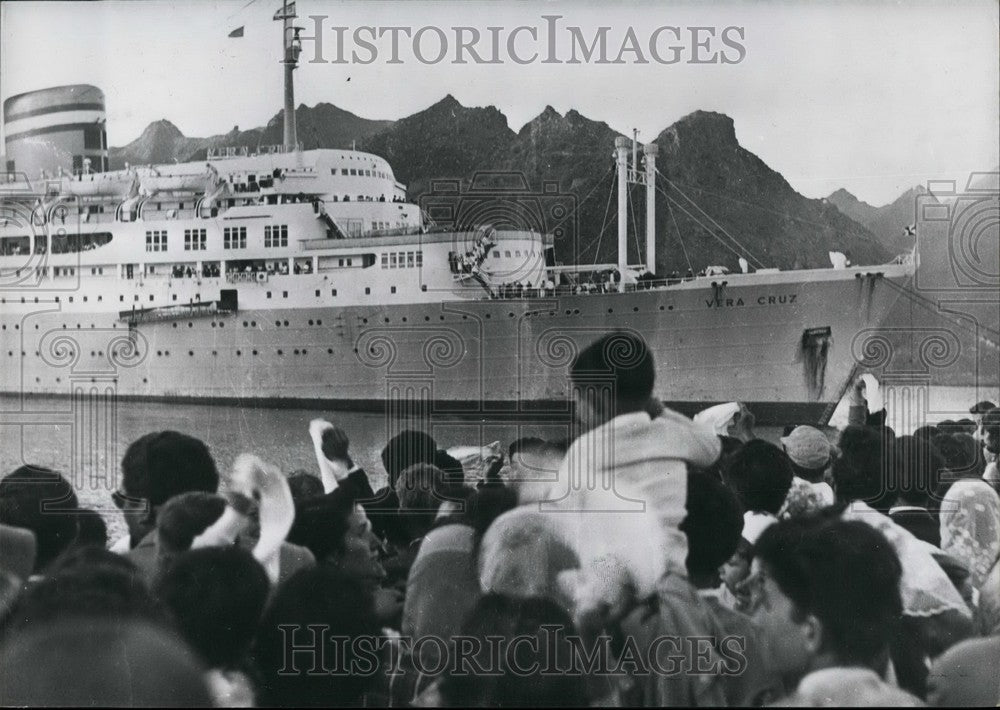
x,y
121,297
343,171
284,294
392,260
409,259
156,240
507,254
173,296
354,171
150,297
268,294
420,259
350,262
385,261
195,240
496,254
392,289
317,293
234,238
276,236
367,291
333,292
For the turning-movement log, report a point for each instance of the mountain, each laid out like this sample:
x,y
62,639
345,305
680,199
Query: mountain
x,y
716,200
445,140
321,126
730,201
888,223
161,142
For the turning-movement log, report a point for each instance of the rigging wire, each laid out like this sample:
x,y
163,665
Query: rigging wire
x,y
712,220
708,229
680,239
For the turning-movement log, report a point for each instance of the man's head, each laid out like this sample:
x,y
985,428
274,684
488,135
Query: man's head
x,y
183,518
421,489
827,594
859,474
158,466
216,596
914,470
809,451
990,431
43,502
100,662
980,409
408,447
713,525
760,474
612,376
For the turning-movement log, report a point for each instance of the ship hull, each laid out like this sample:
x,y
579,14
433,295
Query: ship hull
x,y
745,339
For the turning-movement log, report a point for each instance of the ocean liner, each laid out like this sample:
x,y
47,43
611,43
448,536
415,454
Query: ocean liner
x,y
294,277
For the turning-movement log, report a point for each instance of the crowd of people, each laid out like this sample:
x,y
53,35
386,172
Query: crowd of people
x,y
649,560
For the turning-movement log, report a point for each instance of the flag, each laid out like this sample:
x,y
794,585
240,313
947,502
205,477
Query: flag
x,y
238,32
284,12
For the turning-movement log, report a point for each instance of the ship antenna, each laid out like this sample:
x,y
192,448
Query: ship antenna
x,y
291,46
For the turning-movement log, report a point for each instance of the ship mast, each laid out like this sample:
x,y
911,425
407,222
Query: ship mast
x,y
631,174
291,46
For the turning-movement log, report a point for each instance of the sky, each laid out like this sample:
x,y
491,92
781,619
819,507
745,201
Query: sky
x,y
875,97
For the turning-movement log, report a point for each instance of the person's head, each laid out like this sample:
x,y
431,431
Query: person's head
x,y
809,451
338,533
760,474
990,431
92,528
100,661
183,518
216,596
914,470
407,448
612,376
339,610
156,467
927,431
452,468
961,455
88,581
485,504
981,408
304,485
713,525
508,685
522,554
42,501
827,594
859,473
421,489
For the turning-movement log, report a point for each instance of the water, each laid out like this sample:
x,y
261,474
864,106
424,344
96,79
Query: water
x,y
86,441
